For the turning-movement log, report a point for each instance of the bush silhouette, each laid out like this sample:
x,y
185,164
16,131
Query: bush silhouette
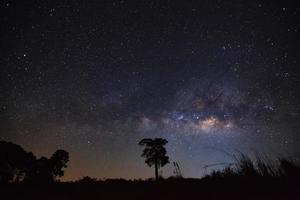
x,y
87,180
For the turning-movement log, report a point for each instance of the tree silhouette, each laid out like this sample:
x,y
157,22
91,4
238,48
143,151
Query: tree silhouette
x,y
47,170
41,171
155,153
59,161
17,165
15,162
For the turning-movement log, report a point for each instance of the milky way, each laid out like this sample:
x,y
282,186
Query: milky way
x,y
95,77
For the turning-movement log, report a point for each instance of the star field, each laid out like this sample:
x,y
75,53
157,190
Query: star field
x,y
95,77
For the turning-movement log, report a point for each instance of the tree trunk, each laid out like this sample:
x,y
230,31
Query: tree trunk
x,y
156,170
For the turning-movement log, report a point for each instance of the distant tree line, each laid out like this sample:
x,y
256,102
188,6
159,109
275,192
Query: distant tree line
x,y
17,165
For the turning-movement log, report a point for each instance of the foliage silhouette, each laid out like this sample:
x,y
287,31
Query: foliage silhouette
x,y
17,165
14,162
155,153
47,170
58,162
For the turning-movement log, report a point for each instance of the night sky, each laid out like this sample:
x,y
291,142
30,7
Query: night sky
x,y
95,77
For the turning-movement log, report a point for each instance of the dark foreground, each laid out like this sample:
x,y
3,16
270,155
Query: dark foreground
x,y
164,189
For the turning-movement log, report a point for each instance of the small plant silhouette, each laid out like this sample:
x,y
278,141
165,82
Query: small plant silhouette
x,y
155,153
177,170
